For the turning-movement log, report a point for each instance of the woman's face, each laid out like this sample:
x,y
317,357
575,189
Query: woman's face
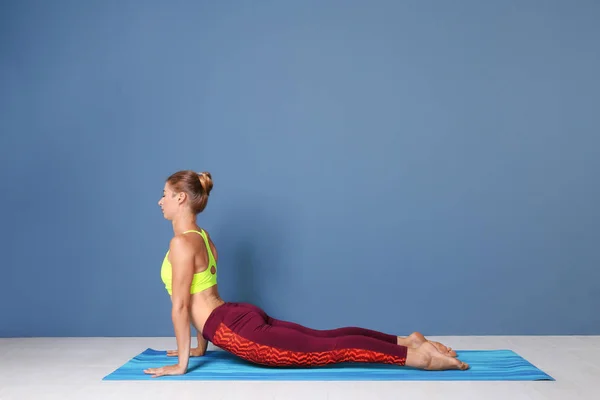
x,y
169,202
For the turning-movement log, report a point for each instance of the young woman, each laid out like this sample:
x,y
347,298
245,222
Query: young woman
x,y
189,272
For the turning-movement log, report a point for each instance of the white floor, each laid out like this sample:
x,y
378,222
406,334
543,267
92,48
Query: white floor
x,y
73,368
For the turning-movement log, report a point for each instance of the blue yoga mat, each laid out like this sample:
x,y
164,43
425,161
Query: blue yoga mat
x,y
486,365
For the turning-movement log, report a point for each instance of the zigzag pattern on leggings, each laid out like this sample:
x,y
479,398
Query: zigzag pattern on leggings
x,y
228,340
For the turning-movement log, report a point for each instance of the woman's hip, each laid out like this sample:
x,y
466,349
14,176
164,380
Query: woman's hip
x,y
235,317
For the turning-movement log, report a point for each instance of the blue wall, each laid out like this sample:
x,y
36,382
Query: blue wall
x,y
402,166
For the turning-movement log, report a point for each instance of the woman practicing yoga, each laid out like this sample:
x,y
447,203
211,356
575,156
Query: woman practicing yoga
x,y
189,272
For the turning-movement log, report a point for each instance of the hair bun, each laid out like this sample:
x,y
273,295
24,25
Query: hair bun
x,y
206,181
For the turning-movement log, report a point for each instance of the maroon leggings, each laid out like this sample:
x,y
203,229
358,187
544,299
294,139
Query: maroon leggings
x,y
248,332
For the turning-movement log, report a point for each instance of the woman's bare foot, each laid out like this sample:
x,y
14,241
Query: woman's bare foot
x,y
427,357
415,339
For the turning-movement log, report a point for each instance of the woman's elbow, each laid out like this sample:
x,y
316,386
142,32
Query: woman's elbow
x,y
180,306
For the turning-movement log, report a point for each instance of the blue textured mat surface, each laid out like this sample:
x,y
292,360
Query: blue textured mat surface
x,y
486,365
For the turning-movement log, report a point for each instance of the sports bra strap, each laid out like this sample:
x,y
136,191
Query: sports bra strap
x,y
203,234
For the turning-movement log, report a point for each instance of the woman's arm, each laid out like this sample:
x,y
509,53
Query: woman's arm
x,y
197,351
182,260
202,345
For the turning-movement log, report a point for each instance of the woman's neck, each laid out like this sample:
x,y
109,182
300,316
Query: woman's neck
x,y
184,223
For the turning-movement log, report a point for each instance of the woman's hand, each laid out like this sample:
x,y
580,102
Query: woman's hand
x,y
167,370
195,352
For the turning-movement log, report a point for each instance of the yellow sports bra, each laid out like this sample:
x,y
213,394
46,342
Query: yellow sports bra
x,y
201,280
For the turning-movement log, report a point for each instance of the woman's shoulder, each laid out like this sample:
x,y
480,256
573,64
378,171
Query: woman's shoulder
x,y
182,244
